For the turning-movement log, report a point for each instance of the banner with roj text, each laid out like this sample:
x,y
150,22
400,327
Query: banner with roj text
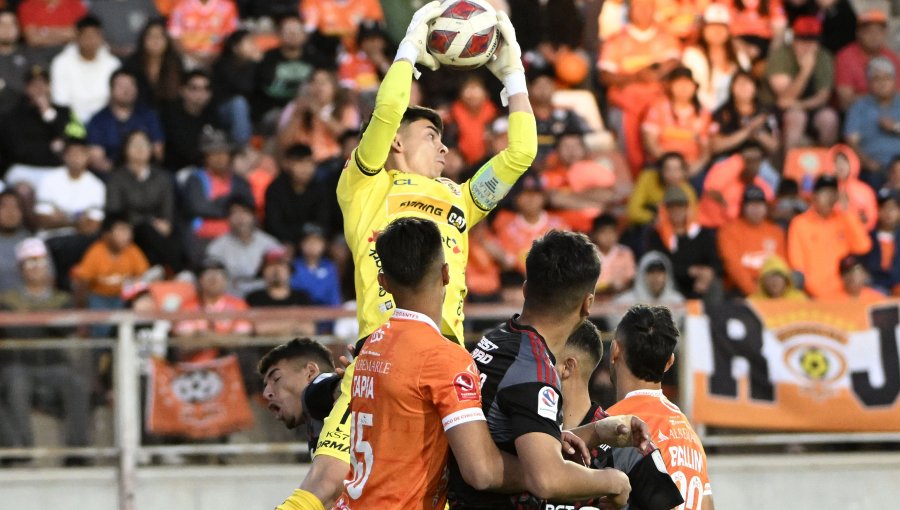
x,y
794,366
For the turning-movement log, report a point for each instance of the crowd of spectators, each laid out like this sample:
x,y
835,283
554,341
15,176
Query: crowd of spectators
x,y
713,149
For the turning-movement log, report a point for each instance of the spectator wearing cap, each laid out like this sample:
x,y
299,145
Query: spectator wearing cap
x,y
552,121
678,123
185,120
276,272
143,192
72,198
44,377
855,280
15,60
872,126
124,114
242,248
715,59
516,230
823,235
50,24
111,262
296,197
471,113
883,261
314,273
776,281
618,268
361,71
632,66
851,63
746,242
726,182
854,195
32,132
578,187
12,232
670,170
690,247
199,28
80,73
209,190
801,77
212,283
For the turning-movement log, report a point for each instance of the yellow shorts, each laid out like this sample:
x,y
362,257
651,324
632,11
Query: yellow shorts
x,y
334,440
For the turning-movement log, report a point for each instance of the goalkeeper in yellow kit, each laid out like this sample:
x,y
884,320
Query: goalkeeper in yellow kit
x,y
396,171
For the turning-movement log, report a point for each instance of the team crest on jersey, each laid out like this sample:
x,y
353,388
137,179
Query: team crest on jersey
x,y
548,403
454,188
465,386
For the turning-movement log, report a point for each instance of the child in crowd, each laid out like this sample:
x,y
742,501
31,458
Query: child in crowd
x,y
315,274
617,271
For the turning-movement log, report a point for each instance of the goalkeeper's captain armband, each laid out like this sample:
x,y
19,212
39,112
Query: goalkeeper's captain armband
x,y
301,500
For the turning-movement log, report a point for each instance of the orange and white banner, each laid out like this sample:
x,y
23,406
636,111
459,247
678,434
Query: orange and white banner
x,y
197,400
794,366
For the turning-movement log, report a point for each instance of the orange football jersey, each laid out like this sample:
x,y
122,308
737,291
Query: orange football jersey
x,y
410,385
676,439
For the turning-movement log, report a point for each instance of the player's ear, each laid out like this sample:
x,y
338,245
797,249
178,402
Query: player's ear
x,y
396,144
614,351
670,362
383,281
312,370
445,273
569,368
586,304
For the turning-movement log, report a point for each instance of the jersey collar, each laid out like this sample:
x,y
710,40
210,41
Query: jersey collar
x,y
410,315
515,325
644,393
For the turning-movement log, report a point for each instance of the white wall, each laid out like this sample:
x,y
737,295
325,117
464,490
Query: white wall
x,y
740,482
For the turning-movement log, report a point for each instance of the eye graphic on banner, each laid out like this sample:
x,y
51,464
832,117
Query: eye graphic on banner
x,y
815,362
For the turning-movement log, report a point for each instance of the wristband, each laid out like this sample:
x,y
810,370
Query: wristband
x,y
301,500
408,51
513,84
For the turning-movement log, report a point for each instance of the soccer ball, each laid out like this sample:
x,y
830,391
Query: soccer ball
x,y
465,35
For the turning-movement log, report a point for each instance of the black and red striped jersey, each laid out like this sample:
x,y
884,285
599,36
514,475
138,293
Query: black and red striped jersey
x,y
520,394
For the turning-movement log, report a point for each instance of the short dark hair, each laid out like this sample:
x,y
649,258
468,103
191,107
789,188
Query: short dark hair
x,y
415,112
648,335
298,348
605,220
586,339
194,73
407,248
671,155
88,21
560,269
110,220
121,72
297,151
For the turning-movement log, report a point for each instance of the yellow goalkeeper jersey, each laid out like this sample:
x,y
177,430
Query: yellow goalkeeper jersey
x,y
371,196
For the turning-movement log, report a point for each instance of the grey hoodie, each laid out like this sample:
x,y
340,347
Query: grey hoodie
x,y
640,293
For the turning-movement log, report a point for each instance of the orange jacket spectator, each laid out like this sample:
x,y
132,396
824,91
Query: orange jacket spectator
x,y
853,194
725,184
819,238
111,261
472,113
201,27
746,243
578,188
340,18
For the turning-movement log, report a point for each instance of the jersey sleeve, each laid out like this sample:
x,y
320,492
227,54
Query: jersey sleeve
x,y
531,407
651,486
494,180
450,381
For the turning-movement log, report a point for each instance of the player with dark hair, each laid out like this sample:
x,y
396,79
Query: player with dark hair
x,y
299,384
642,351
396,172
651,488
521,394
414,392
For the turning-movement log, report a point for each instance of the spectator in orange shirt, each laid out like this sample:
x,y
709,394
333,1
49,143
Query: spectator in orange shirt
x,y
618,268
882,262
854,195
819,238
578,187
336,21
472,112
632,65
776,281
212,280
362,70
856,281
109,263
725,184
319,115
758,25
677,123
199,27
670,170
745,243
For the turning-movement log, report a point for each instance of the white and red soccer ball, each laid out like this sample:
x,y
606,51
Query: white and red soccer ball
x,y
465,35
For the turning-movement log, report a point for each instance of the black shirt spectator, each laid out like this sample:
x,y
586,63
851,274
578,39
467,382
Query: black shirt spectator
x,y
183,121
295,198
156,64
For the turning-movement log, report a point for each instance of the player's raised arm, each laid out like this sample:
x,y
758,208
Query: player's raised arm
x,y
393,94
491,183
